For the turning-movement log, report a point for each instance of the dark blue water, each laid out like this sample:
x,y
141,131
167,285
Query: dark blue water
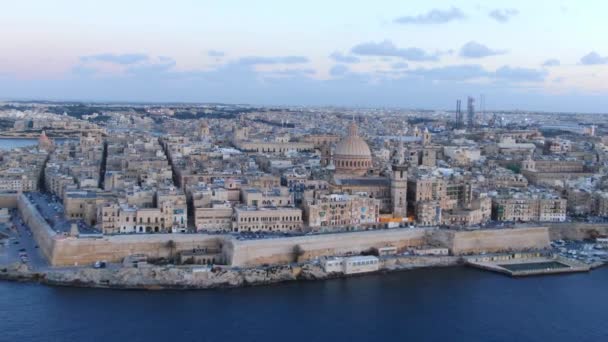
x,y
455,304
11,143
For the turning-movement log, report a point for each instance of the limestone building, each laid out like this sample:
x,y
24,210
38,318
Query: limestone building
x,y
282,219
526,206
215,218
341,211
275,197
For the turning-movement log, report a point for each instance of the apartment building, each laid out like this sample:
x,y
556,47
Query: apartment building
x,y
328,212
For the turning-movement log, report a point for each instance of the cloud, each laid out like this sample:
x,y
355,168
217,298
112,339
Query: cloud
x,y
258,60
153,67
467,72
434,16
503,15
124,59
386,48
215,53
452,72
341,58
476,50
231,82
291,72
551,62
108,65
339,70
399,65
520,74
593,58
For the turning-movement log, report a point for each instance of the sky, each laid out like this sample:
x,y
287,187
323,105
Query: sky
x,y
547,55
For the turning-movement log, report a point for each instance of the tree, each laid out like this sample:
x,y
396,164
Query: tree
x,y
298,251
171,246
514,167
593,234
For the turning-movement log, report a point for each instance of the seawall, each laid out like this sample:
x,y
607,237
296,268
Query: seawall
x,y
62,250
44,235
79,251
8,200
303,248
492,240
577,230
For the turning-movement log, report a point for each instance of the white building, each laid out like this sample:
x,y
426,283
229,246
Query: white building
x,y
333,265
361,264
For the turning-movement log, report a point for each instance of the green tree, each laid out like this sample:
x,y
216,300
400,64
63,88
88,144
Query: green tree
x,y
171,247
298,252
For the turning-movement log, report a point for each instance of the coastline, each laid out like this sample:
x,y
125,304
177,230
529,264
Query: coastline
x,y
187,278
253,262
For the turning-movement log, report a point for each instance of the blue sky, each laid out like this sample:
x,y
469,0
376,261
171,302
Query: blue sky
x,y
539,55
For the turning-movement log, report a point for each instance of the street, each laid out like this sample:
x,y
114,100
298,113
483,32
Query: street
x,y
21,241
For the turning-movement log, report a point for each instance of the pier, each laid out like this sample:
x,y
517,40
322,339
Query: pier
x,y
526,264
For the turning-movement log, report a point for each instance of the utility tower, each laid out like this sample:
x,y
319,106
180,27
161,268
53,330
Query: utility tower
x,y
459,117
470,112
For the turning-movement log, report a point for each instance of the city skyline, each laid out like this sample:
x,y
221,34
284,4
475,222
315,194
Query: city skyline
x,y
415,55
241,170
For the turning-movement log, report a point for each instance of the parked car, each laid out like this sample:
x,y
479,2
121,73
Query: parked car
x,y
99,264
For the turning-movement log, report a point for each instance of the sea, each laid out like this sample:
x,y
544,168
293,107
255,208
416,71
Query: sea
x,y
447,304
10,143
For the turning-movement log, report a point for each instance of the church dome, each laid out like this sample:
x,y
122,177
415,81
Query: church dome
x,y
44,142
353,145
352,154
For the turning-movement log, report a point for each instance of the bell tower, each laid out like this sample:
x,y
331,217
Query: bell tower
x,y
399,191
426,137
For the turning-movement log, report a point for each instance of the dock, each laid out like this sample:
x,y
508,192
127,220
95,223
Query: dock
x,y
527,264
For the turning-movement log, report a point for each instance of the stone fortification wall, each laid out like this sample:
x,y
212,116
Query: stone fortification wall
x,y
302,248
577,231
62,250
42,232
493,240
71,251
8,200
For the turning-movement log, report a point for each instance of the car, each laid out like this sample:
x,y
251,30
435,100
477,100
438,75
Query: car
x,y
100,264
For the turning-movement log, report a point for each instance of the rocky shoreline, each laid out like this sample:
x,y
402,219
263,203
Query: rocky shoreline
x,y
190,278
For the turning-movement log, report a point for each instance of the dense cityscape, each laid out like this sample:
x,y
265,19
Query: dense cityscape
x,y
216,189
